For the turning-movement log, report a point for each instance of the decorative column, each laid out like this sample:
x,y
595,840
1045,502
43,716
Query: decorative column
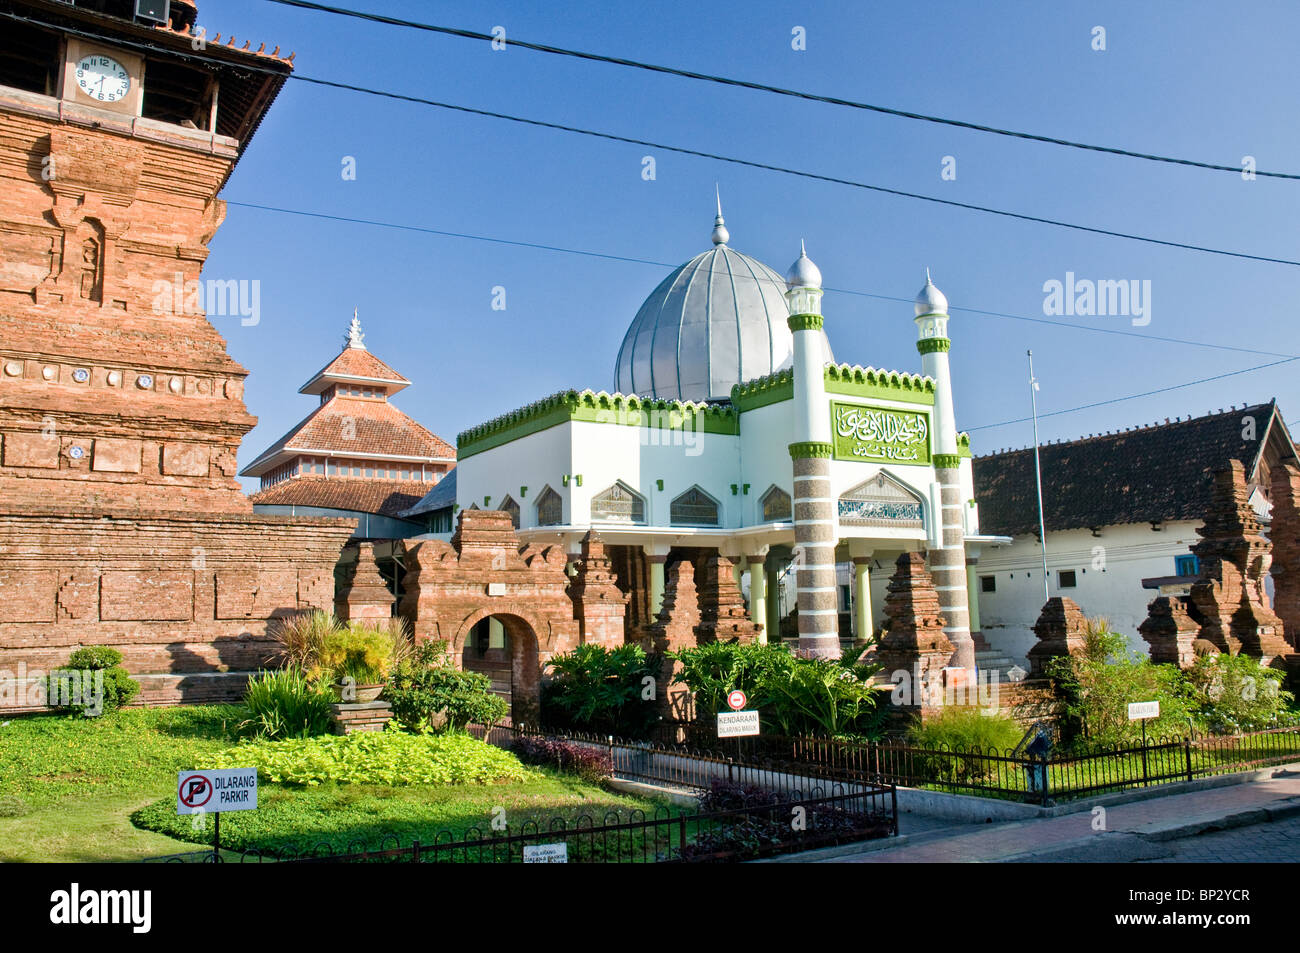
x,y
363,594
599,605
1284,534
772,589
656,555
862,599
1170,632
758,595
948,562
914,650
814,509
973,603
1061,631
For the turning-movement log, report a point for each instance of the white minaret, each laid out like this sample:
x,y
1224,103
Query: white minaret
x,y
815,527
948,563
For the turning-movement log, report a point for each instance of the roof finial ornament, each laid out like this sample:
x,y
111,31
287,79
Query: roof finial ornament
x,y
720,234
354,337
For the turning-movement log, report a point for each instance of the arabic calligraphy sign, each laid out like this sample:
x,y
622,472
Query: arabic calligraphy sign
x,y
875,434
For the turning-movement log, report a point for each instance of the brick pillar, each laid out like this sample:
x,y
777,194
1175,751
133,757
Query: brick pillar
x,y
815,537
948,564
675,628
1170,632
1060,630
1234,556
363,594
915,640
722,608
1284,534
598,603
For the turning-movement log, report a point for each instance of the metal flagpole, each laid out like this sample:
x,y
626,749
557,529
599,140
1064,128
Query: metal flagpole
x,y
1038,473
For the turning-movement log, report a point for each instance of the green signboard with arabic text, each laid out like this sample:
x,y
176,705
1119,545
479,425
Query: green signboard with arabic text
x,y
879,435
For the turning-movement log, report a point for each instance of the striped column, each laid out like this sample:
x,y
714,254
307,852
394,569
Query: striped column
x,y
948,564
815,536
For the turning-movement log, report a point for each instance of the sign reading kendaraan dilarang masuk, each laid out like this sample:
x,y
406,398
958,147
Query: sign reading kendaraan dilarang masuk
x,y
880,435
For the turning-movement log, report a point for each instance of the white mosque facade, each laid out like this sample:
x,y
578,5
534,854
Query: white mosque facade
x,y
732,428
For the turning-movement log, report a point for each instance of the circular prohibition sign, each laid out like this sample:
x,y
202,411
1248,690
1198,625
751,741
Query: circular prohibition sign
x,y
196,788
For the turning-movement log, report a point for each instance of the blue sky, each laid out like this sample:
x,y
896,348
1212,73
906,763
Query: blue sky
x,y
1196,80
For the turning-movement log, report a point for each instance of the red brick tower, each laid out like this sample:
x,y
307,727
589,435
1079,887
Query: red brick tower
x,y
121,412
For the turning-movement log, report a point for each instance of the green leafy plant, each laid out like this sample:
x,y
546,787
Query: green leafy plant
x,y
375,757
365,650
302,637
825,697
285,703
1098,685
602,690
93,682
968,729
426,690
1231,694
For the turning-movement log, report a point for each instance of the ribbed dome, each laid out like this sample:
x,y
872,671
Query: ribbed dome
x,y
716,321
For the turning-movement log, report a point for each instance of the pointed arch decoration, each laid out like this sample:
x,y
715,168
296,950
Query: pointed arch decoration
x,y
882,501
694,508
508,505
618,504
776,506
550,507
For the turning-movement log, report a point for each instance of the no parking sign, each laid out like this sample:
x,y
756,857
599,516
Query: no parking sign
x,y
211,792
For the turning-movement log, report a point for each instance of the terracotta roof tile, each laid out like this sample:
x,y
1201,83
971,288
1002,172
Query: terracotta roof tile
x,y
1150,474
348,425
382,497
355,362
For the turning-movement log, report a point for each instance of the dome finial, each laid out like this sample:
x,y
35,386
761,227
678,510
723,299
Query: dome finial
x,y
930,300
354,337
803,273
720,234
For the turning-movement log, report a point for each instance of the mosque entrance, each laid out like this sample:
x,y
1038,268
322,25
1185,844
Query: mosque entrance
x,y
487,651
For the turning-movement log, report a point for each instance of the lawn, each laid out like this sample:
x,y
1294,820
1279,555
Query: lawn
x,y
70,786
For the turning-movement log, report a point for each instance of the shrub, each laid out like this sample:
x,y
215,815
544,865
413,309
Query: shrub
x,y
424,686
967,729
92,682
301,637
285,703
1235,693
589,763
601,690
375,757
1098,685
824,697
365,650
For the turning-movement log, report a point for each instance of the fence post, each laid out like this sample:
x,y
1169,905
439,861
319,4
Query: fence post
x,y
1046,762
415,851
1187,749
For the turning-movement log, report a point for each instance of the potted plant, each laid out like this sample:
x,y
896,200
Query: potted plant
x,y
359,658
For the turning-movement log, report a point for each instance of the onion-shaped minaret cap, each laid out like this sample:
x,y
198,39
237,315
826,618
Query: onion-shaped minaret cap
x,y
803,273
930,300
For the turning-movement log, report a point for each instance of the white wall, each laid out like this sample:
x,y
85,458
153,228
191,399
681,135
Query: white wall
x,y
1109,570
535,461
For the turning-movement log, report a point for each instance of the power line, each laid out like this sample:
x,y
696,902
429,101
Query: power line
x,y
403,97
1149,393
663,264
763,87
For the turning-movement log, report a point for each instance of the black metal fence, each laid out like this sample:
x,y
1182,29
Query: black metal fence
x,y
1061,776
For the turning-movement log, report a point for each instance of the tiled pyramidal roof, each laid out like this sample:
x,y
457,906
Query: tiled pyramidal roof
x,y
1147,474
384,497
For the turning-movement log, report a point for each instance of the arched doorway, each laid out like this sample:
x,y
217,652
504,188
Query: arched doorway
x,y
503,647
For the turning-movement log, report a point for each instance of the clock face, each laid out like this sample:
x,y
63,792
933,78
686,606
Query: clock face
x,y
102,78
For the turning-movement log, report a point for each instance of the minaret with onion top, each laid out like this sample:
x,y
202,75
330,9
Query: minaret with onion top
x,y
815,523
947,563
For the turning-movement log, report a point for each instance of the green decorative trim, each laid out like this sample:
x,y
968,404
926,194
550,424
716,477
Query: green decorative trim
x,y
523,492
963,445
809,449
770,389
659,484
735,489
592,407
930,345
854,380
487,500
805,322
745,488
947,461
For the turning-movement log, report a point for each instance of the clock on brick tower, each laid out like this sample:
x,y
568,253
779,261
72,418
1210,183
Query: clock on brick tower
x,y
121,412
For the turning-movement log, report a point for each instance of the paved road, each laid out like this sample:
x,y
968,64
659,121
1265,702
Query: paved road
x,y
1272,843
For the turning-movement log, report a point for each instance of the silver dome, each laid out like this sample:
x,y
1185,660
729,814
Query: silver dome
x,y
803,273
714,322
930,300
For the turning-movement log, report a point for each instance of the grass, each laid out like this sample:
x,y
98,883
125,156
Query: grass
x,y
70,785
